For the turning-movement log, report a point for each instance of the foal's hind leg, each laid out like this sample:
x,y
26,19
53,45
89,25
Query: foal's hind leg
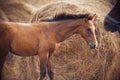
x,y
49,68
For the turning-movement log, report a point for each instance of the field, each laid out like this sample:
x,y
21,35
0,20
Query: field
x,y
74,60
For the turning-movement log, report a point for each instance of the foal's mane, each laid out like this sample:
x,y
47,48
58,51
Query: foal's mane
x,y
65,16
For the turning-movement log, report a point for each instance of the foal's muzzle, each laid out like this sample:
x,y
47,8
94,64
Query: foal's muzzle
x,y
92,45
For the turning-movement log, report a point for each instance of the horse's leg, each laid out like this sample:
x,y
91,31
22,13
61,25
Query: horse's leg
x,y
49,68
42,69
43,64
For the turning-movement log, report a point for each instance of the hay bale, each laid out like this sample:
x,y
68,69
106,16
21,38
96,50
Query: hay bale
x,y
3,17
16,11
54,8
74,60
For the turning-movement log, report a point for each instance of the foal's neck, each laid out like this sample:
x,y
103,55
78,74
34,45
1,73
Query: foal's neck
x,y
65,29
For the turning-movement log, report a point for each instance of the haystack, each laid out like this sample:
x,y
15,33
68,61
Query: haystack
x,y
3,17
16,11
74,60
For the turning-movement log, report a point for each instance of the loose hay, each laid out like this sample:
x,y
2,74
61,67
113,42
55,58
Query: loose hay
x,y
16,11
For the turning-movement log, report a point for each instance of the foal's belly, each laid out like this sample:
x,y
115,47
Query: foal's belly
x,y
24,46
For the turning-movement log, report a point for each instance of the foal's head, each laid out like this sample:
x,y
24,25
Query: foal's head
x,y
87,30
85,25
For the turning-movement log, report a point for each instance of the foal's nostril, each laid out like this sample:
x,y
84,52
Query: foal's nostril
x,y
92,45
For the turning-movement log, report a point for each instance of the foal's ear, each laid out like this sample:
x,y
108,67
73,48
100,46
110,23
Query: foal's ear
x,y
91,16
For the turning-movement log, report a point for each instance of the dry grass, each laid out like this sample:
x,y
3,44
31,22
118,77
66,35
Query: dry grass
x,y
17,12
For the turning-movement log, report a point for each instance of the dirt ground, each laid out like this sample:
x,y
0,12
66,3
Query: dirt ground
x,y
74,60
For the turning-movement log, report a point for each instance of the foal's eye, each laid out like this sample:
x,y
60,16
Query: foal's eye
x,y
88,30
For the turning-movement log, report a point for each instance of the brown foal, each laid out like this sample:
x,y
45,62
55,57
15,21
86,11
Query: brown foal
x,y
41,38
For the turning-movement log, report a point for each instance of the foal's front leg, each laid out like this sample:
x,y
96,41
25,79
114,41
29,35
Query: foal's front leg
x,y
49,68
43,64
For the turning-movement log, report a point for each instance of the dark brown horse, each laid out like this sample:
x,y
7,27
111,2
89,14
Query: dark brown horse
x,y
112,20
41,38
